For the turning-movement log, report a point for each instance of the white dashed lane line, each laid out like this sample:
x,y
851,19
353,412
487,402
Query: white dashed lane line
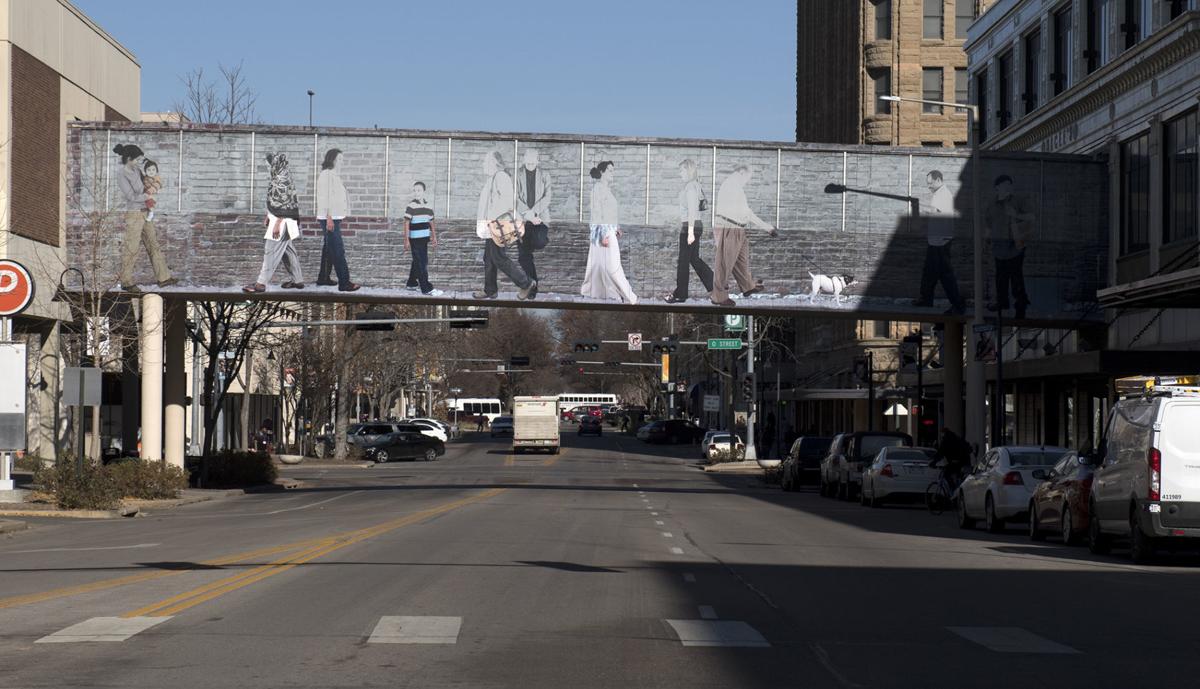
x,y
1011,640
712,633
102,629
676,550
406,629
668,534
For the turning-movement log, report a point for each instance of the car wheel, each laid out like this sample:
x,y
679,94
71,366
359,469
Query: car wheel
x,y
991,522
1069,537
430,455
960,508
1035,529
1141,546
1099,543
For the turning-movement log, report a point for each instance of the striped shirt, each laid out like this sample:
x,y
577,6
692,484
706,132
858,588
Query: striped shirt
x,y
420,217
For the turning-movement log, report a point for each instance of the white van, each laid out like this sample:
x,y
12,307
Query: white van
x,y
1147,486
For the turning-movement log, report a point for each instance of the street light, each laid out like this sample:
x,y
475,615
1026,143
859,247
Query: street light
x,y
311,93
975,381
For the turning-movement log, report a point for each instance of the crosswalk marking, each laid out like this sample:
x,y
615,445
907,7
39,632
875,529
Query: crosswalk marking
x,y
725,633
1011,640
408,629
102,629
677,551
668,534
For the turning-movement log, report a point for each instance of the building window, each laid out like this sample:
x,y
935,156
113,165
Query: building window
x,y
1004,92
1135,194
881,329
883,87
964,15
1033,70
981,103
883,20
1179,183
1178,7
931,89
933,20
1131,27
1064,38
961,86
931,144
1098,16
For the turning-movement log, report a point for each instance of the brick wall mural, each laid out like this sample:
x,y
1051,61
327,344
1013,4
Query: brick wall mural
x,y
557,221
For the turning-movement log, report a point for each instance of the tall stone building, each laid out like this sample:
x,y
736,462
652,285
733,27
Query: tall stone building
x,y
850,52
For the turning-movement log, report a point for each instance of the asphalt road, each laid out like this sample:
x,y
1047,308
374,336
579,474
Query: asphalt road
x,y
615,564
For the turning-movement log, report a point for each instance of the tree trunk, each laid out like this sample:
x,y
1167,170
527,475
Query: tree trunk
x,y
246,403
342,422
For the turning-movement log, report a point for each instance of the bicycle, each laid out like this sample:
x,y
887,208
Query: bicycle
x,y
939,494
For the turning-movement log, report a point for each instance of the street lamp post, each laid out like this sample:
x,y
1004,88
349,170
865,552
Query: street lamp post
x,y
311,93
975,383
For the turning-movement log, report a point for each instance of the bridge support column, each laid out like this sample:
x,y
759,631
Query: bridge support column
x,y
175,383
952,376
152,376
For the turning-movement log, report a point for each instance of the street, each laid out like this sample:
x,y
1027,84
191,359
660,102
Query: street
x,y
615,563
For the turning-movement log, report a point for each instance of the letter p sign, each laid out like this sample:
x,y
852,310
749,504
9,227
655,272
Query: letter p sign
x,y
16,288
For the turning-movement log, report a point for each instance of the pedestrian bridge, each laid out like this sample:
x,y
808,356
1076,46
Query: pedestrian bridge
x,y
862,222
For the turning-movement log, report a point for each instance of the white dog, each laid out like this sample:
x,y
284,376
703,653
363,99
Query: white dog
x,y
829,284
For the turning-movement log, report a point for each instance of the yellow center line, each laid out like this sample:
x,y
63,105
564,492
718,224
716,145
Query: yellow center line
x,y
553,459
188,599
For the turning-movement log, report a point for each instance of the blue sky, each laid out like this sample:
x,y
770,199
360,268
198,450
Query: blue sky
x,y
688,68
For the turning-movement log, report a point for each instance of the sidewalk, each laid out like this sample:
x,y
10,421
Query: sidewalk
x,y
747,467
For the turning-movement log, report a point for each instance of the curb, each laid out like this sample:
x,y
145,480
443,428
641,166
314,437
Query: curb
x,y
73,514
329,465
10,526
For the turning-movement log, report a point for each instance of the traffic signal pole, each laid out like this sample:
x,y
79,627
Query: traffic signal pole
x,y
751,410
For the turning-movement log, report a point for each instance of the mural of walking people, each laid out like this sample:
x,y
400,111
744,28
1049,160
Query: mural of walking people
x,y
283,228
499,229
939,229
691,200
333,205
533,208
734,218
604,277
1009,218
419,237
137,200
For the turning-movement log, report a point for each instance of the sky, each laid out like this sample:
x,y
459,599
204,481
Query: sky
x,y
672,68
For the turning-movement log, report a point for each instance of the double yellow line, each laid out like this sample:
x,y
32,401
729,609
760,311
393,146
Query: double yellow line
x,y
302,552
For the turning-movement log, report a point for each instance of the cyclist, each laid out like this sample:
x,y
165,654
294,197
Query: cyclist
x,y
956,453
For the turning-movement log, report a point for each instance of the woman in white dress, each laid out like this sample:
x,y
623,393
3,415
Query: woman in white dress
x,y
605,278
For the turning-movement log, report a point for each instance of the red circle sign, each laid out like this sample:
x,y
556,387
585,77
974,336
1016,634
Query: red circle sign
x,y
16,288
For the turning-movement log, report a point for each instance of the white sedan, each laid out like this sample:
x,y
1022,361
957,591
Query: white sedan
x,y
433,429
726,443
898,472
1000,487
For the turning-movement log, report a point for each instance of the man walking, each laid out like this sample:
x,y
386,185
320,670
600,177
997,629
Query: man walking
x,y
498,229
419,237
734,217
1009,219
939,228
533,206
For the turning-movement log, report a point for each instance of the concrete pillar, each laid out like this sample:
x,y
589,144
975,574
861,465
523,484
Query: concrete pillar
x,y
152,376
952,376
175,384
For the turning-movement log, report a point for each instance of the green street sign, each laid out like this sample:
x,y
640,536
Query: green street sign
x,y
724,343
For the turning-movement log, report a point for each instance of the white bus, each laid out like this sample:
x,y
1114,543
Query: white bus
x,y
568,400
488,407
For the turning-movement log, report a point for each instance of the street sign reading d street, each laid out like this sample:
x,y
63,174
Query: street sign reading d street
x,y
724,343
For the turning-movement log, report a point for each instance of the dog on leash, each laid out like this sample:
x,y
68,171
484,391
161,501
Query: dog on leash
x,y
829,284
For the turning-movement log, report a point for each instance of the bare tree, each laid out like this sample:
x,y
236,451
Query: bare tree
x,y
226,100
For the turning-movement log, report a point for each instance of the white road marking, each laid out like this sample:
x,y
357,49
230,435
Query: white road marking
x,y
668,534
406,629
102,629
654,514
658,522
1011,640
645,499
730,634
689,578
635,485
312,504
676,550
708,612
138,546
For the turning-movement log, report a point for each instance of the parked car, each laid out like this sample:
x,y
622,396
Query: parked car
x,y
672,431
1147,486
568,415
803,462
1060,502
1000,487
431,428
404,445
590,425
502,425
708,435
899,473
357,435
723,442
849,454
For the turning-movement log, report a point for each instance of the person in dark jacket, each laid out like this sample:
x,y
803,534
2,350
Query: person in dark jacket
x,y
957,455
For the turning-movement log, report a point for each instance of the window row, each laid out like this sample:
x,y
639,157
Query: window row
x,y
933,19
1180,180
932,88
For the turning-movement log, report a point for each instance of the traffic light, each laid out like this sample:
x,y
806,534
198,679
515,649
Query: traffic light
x,y
566,361
667,345
477,318
375,315
862,369
748,387
517,361
587,346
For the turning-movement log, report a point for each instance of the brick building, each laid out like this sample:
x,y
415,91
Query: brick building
x,y
56,65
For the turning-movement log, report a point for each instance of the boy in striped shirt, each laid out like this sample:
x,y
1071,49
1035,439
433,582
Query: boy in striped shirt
x,y
419,236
